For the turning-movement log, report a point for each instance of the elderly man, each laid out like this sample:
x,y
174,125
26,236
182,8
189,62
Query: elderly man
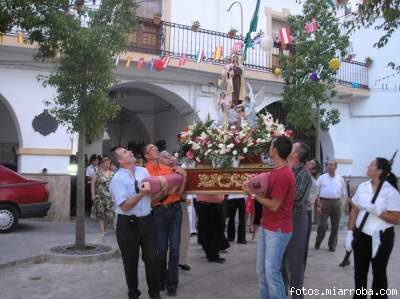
x,y
168,215
331,188
135,224
296,247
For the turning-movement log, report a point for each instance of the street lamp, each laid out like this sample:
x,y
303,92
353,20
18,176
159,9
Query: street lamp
x,y
241,15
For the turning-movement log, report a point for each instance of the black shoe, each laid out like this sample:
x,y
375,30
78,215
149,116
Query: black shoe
x,y
193,234
219,260
185,267
317,246
332,249
242,242
171,292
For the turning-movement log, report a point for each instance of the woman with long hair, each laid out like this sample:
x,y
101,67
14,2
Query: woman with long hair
x,y
375,240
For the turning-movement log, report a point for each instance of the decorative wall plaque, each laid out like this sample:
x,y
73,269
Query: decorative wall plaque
x,y
44,123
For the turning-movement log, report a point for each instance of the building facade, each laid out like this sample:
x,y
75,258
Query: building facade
x,y
158,105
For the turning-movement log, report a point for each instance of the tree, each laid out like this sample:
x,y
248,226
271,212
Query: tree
x,y
83,75
308,102
384,14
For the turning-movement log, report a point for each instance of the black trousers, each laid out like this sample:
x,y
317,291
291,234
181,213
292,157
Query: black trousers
x,y
211,228
133,233
233,205
363,257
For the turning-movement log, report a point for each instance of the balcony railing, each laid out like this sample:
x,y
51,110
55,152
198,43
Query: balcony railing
x,y
176,40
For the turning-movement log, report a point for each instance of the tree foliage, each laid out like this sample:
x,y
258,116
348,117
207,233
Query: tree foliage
x,y
311,52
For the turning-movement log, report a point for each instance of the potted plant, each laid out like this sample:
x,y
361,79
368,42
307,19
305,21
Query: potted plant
x,y
368,61
195,26
157,19
232,32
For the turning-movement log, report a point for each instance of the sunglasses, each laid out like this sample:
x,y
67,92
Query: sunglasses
x,y
136,186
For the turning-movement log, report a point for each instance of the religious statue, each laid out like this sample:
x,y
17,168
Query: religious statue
x,y
238,82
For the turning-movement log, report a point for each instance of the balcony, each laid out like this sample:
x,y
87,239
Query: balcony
x,y
175,40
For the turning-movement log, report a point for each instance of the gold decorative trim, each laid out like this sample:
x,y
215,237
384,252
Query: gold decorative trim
x,y
44,151
344,161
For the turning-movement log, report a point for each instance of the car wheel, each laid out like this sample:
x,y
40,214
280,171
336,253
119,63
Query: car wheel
x,y
8,218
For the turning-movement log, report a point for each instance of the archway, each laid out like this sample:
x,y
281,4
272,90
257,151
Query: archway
x,y
10,135
149,113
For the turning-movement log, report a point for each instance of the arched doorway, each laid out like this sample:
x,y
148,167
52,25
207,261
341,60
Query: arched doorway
x,y
149,113
10,135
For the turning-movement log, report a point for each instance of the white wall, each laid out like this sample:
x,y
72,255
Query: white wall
x,y
213,14
26,95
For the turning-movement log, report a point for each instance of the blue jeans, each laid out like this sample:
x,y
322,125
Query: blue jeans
x,y
169,221
271,247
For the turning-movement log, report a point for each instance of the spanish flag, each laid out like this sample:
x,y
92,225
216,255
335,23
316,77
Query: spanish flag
x,y
218,53
128,61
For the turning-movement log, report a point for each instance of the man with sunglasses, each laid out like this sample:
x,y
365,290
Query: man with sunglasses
x,y
168,217
135,223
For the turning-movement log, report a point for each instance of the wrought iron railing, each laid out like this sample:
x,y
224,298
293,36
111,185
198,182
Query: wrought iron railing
x,y
176,40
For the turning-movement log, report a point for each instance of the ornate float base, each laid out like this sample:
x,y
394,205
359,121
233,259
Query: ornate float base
x,y
204,179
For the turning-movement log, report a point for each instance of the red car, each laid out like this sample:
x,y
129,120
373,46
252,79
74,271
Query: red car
x,y
20,198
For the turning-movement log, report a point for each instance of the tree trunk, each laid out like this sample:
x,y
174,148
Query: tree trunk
x,y
317,131
80,198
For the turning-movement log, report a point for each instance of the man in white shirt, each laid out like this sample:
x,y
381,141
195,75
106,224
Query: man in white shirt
x,y
135,223
331,188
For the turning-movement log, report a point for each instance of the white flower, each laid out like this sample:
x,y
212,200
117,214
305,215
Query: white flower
x,y
209,145
245,150
195,146
198,159
235,152
233,127
258,140
203,135
231,146
222,152
176,155
228,150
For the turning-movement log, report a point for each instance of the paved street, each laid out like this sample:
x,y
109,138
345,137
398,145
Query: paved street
x,y
234,279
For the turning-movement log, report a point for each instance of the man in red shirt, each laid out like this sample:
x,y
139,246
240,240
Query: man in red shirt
x,y
168,217
277,227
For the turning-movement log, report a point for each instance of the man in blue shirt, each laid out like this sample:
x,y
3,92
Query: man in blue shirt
x,y
135,223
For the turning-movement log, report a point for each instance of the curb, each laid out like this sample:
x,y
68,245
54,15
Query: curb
x,y
56,258
47,256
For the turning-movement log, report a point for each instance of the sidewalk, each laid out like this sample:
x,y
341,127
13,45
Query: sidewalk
x,y
234,279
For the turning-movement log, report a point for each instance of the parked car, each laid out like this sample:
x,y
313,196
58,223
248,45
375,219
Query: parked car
x,y
20,197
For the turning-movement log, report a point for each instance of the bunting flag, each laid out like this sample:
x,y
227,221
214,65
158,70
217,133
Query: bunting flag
x,y
312,26
151,65
200,56
20,38
166,60
140,63
128,61
117,61
218,53
182,60
1,37
284,36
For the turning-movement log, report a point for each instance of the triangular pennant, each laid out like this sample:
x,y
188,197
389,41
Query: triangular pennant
x,y
218,53
20,38
128,61
140,63
200,56
166,60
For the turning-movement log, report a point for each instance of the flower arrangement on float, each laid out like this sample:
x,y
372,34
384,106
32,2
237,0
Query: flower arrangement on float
x,y
224,146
